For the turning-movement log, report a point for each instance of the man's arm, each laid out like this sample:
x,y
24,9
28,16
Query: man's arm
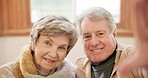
x,y
140,27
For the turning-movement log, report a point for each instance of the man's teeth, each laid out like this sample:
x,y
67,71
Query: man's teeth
x,y
97,50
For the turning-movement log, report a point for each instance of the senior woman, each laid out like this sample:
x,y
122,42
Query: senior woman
x,y
52,38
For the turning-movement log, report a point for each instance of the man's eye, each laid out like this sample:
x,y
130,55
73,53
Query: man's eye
x,y
101,34
86,37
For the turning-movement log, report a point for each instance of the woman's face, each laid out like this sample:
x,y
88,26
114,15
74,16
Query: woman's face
x,y
50,51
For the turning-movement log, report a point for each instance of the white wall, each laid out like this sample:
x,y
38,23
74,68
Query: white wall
x,y
11,46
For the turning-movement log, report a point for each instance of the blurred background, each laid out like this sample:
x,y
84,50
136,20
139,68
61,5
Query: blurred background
x,y
18,16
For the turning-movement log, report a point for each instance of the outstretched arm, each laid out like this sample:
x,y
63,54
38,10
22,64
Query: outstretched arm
x,y
140,10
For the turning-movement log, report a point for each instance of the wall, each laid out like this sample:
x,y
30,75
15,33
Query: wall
x,y
11,46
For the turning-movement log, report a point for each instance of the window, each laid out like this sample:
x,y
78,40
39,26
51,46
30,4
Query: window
x,y
71,8
17,15
40,8
14,17
112,6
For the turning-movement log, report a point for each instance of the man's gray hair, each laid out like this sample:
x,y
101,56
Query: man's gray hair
x,y
97,13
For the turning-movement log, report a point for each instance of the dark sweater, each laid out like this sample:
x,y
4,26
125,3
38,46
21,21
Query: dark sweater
x,y
104,69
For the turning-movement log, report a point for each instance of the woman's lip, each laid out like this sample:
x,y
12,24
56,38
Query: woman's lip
x,y
49,60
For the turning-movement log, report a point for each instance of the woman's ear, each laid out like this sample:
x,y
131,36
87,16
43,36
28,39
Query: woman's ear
x,y
32,44
115,32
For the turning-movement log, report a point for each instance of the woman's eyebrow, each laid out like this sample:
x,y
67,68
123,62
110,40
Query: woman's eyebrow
x,y
48,38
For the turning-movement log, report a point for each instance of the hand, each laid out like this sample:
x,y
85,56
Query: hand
x,y
140,10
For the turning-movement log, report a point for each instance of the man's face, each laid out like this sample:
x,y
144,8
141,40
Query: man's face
x,y
99,42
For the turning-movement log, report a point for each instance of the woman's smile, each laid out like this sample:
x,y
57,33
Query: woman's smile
x,y
49,61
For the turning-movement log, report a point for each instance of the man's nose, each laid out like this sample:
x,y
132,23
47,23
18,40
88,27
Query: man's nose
x,y
94,41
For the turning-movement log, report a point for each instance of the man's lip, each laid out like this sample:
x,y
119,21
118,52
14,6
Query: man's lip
x,y
97,50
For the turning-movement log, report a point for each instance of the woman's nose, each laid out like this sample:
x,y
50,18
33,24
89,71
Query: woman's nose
x,y
53,53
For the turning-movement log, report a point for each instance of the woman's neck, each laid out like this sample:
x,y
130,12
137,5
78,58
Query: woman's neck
x,y
43,73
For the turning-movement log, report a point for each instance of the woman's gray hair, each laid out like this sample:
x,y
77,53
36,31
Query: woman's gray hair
x,y
97,13
54,25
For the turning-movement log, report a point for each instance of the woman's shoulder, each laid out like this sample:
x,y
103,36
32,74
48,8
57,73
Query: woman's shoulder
x,y
7,65
67,67
7,69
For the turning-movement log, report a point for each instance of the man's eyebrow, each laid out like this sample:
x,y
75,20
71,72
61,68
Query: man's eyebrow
x,y
101,31
85,33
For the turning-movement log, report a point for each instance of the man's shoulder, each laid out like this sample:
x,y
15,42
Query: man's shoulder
x,y
81,59
126,48
80,67
127,52
129,49
80,62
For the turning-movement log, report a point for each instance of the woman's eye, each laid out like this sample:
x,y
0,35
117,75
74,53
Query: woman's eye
x,y
62,49
48,43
